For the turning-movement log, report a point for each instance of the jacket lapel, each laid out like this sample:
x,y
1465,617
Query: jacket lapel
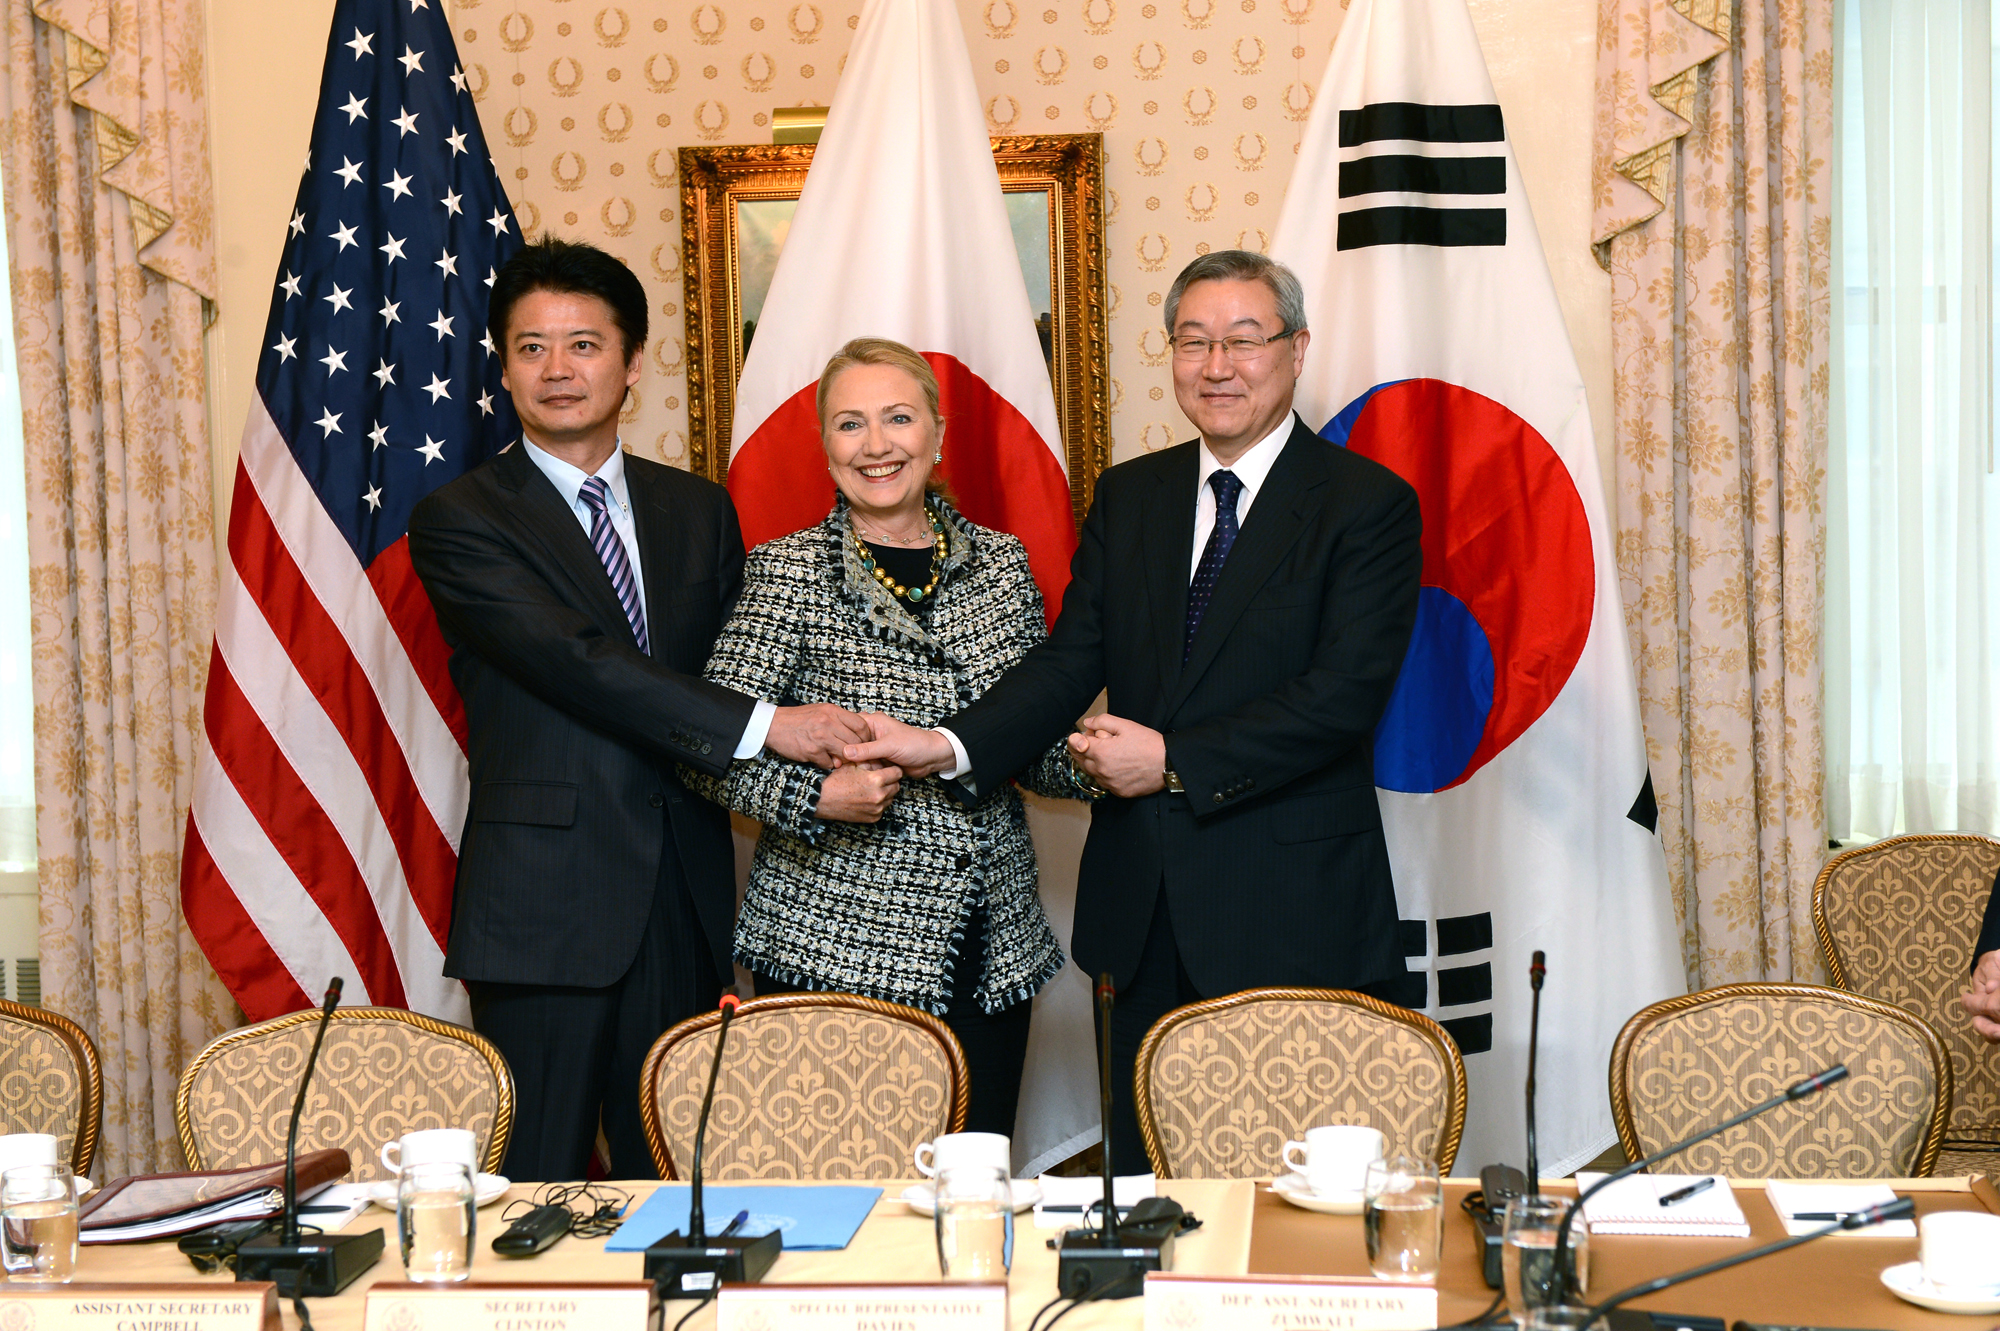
x,y
541,515
1169,545
1285,502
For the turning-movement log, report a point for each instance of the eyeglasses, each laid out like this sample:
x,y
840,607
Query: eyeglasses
x,y
1236,348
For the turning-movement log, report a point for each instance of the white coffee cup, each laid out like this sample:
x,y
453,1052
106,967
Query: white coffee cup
x,y
26,1148
952,1149
1336,1157
451,1146
1961,1251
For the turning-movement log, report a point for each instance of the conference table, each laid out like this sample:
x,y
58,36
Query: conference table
x,y
1246,1228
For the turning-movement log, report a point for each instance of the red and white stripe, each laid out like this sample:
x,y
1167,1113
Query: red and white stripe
x,y
323,837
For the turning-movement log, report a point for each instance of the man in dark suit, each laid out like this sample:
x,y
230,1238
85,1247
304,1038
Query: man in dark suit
x,y
1245,600
581,591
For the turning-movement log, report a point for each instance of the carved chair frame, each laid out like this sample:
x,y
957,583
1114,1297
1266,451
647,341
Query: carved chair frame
x,y
1449,1133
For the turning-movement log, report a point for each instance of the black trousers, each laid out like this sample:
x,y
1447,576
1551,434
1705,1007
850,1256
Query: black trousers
x,y
995,1044
1160,985
576,1052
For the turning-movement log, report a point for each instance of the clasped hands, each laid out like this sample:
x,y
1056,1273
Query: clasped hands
x,y
869,754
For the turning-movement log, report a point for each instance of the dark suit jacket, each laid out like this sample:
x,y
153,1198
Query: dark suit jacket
x,y
573,731
1989,930
1273,862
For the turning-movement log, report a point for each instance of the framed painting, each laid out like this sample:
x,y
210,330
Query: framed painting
x,y
737,204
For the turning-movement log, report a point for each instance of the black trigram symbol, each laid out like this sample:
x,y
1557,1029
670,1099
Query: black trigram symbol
x,y
1413,173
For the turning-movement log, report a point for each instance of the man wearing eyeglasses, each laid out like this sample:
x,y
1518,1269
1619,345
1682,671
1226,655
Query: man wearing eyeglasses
x,y
1245,601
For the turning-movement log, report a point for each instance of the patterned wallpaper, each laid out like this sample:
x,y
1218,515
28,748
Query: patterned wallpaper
x,y
1201,103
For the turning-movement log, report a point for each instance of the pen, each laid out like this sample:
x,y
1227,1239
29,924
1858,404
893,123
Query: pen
x,y
734,1225
1818,1215
1682,1194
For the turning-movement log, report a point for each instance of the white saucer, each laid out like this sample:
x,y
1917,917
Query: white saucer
x,y
1907,1283
486,1189
1292,1187
922,1197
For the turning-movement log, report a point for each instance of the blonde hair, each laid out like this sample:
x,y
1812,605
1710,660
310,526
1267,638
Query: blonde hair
x,y
884,351
878,351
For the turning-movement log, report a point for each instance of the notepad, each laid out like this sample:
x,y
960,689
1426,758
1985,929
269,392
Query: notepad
x,y
1632,1206
814,1217
1821,1203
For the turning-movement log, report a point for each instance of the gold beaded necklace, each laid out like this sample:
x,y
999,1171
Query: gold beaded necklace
x,y
897,589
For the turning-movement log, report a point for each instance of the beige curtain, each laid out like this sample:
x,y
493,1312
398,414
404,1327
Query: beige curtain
x,y
109,230
1713,215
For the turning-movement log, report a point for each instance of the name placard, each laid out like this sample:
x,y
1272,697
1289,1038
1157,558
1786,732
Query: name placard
x,y
104,1306
1285,1303
940,1307
498,1306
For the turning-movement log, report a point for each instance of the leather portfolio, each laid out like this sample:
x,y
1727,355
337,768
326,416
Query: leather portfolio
x,y
156,1206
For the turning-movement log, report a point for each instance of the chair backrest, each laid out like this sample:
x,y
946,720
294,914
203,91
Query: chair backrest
x,y
50,1081
382,1072
1220,1086
1687,1062
813,1086
1897,921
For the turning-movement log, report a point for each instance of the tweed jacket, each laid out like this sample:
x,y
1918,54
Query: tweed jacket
x,y
882,909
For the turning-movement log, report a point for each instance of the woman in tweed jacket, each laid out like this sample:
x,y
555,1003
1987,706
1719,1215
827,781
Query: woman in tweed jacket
x,y
895,603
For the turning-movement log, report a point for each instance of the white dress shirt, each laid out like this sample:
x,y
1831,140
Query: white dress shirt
x,y
568,481
1252,468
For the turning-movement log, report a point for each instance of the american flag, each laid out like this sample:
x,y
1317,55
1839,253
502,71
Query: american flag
x,y
323,834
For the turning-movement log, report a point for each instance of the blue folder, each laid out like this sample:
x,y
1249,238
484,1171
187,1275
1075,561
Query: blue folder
x,y
814,1217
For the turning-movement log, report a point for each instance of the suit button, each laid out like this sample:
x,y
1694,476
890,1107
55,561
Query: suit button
x,y
1220,798
965,861
706,747
656,799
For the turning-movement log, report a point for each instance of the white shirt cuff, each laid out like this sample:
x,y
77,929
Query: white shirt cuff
x,y
752,742
960,763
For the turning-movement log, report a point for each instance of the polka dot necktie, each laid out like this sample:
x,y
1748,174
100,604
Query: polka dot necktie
x,y
1227,487
612,551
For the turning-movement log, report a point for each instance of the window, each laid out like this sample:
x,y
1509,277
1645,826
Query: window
x,y
1913,559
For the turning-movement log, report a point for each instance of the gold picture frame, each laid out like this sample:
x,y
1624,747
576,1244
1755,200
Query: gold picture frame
x,y
731,197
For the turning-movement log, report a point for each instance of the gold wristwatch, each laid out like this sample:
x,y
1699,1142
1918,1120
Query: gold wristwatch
x,y
1173,780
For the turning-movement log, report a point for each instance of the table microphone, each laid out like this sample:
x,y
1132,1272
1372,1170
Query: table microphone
x,y
693,1263
1564,1282
1900,1209
1093,1263
323,1265
1537,969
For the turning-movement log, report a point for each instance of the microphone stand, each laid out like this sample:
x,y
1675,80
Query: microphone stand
x,y
1110,1262
327,1263
1900,1209
693,1263
1564,1282
1536,971
1105,991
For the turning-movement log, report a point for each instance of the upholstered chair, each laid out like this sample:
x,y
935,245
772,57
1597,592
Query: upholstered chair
x,y
813,1086
1684,1063
382,1072
50,1081
1220,1086
1897,921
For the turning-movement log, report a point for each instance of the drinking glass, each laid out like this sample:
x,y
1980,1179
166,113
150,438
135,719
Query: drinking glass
x,y
38,1222
435,1220
1563,1317
975,1222
1402,1217
1527,1253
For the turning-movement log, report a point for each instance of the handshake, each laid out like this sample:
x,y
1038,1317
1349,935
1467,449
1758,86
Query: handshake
x,y
869,754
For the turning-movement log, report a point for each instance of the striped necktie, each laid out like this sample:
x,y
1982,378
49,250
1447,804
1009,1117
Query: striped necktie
x,y
612,551
1227,486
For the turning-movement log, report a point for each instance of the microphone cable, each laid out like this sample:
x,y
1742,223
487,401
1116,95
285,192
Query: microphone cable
x,y
705,1300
